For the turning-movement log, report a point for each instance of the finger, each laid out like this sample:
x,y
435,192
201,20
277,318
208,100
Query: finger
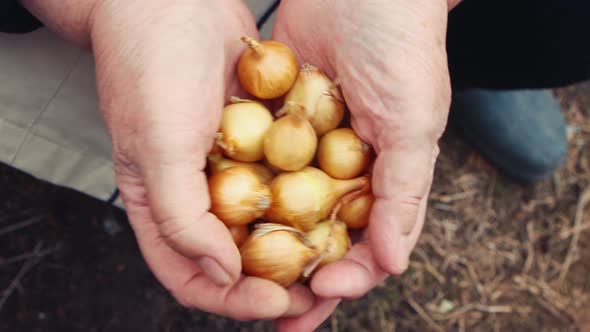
x,y
179,200
301,300
171,152
410,241
320,311
401,181
249,298
360,268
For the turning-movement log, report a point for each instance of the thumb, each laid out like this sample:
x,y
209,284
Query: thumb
x,y
179,202
401,182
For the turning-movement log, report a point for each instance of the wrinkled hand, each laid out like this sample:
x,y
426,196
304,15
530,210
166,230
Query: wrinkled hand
x,y
390,58
163,85
164,70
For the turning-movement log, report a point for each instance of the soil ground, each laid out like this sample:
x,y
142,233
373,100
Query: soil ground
x,y
494,256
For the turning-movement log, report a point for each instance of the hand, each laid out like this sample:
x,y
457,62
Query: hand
x,y
164,70
389,56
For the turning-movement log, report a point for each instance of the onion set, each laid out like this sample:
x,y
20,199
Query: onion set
x,y
290,143
238,196
299,179
243,127
267,69
331,239
301,199
278,253
320,97
342,154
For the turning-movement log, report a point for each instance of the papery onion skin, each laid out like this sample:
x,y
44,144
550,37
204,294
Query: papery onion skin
x,y
243,127
291,143
239,234
217,163
342,154
331,239
303,198
356,213
278,256
267,69
322,100
238,196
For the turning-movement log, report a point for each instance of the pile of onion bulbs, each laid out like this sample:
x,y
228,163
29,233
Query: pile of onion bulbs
x,y
289,184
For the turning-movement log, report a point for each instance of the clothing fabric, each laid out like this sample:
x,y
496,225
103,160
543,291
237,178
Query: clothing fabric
x,y
519,44
15,19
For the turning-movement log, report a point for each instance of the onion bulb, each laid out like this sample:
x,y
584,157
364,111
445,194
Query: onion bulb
x,y
239,234
357,212
218,163
238,196
331,239
267,69
276,252
322,100
303,198
290,143
243,127
342,154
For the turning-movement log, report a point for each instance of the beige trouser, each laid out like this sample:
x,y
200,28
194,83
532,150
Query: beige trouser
x,y
50,125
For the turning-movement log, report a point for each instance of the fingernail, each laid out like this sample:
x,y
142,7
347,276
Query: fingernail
x,y
214,271
403,258
403,263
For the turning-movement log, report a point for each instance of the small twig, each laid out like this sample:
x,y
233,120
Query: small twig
x,y
564,234
491,309
25,256
334,323
454,197
545,296
530,246
422,313
443,207
429,267
551,308
578,219
15,283
19,225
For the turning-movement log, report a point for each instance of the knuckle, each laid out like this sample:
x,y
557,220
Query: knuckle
x,y
173,232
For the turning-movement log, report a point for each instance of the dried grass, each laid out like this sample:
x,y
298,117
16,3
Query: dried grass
x,y
497,256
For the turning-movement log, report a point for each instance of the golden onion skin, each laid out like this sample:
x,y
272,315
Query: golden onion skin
x,y
238,196
243,127
290,143
303,198
280,256
217,163
322,100
342,154
331,239
239,234
267,69
356,213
